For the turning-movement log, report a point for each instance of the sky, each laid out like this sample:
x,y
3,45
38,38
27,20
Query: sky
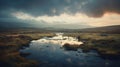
x,y
68,14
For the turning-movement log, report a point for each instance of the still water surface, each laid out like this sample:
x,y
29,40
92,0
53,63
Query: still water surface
x,y
54,55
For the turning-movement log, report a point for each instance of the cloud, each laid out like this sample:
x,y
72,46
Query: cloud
x,y
107,19
23,16
97,8
92,8
65,13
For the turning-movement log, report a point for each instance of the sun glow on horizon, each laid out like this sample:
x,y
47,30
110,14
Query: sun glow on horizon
x,y
78,18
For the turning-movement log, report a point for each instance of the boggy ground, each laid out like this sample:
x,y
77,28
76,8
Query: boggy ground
x,y
11,43
106,44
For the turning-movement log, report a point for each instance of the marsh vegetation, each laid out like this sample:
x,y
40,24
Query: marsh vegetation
x,y
11,43
106,44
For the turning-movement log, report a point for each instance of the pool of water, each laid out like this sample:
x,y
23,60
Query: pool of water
x,y
51,54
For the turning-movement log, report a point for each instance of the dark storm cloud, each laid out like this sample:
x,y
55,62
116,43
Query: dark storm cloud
x,y
94,8
91,8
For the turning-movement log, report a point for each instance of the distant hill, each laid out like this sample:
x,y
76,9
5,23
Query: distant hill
x,y
106,29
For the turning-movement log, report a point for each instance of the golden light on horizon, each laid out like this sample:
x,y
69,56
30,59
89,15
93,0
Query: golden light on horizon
x,y
79,18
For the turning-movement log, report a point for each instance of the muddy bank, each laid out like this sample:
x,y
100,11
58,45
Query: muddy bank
x,y
105,44
10,45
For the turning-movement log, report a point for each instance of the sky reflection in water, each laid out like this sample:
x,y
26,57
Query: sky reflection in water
x,y
52,55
